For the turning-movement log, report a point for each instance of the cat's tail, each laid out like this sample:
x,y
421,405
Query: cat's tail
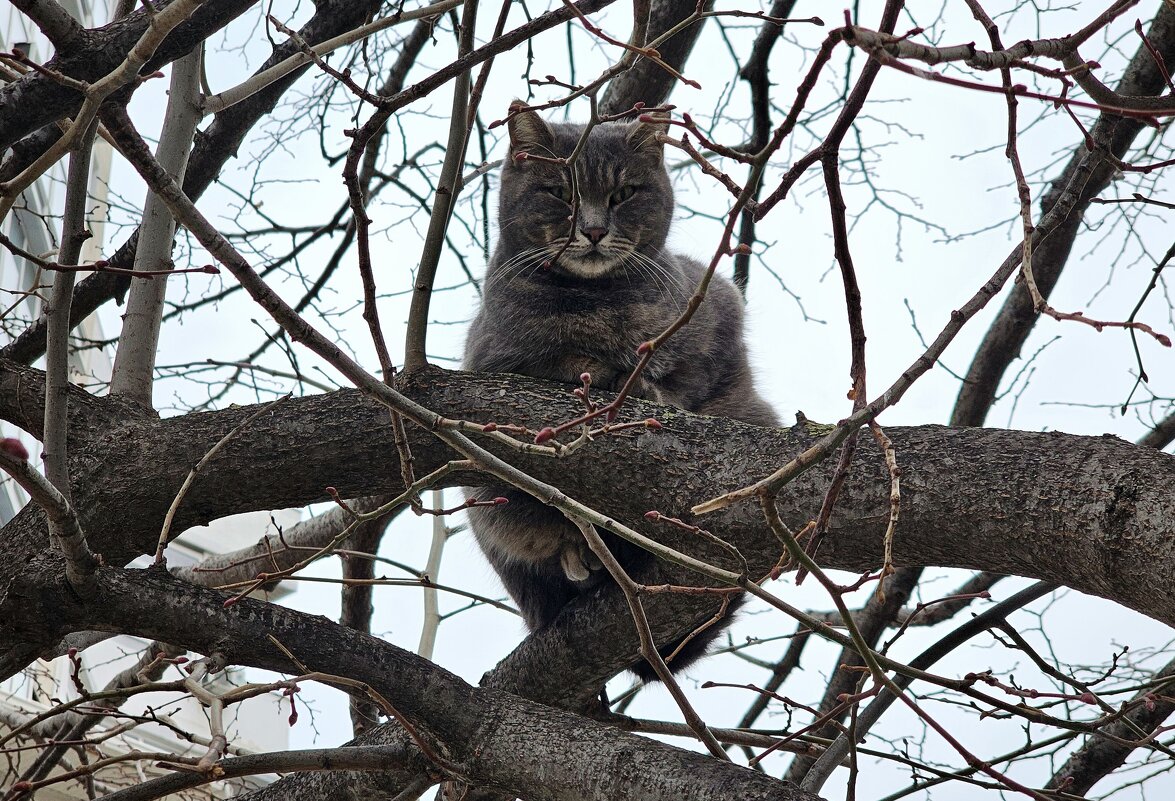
x,y
692,647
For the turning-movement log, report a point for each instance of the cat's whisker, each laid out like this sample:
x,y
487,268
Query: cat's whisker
x,y
660,269
510,263
665,286
511,268
535,259
634,266
670,276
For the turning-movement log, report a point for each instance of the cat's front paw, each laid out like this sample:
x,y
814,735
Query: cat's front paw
x,y
578,561
651,392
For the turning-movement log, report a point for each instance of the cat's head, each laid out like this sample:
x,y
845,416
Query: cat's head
x,y
624,198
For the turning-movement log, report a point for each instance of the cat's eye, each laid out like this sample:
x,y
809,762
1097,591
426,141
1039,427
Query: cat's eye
x,y
622,194
563,193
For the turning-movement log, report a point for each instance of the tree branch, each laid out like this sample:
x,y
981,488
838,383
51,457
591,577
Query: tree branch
x,y
476,730
1016,318
55,22
1100,520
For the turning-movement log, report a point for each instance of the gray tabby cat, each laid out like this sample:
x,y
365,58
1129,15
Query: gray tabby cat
x,y
550,312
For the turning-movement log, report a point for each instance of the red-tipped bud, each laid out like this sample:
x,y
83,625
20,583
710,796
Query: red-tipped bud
x,y
544,435
521,155
14,447
1088,698
652,514
73,652
585,378
654,424
644,348
211,269
179,660
500,501
743,249
488,427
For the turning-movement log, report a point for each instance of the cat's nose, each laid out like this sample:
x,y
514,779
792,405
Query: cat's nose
x,y
594,234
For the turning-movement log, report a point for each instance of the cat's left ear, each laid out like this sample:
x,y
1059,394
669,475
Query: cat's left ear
x,y
529,132
642,136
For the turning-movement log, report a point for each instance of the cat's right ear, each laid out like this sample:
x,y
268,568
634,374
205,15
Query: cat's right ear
x,y
642,136
529,133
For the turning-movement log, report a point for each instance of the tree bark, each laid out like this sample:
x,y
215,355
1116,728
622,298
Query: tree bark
x,y
36,99
483,736
1093,513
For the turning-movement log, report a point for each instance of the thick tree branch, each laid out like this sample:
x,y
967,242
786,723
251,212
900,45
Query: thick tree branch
x,y
475,731
648,82
134,363
37,99
54,21
1099,518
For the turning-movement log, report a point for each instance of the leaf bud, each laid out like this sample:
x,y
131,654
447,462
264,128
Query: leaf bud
x,y
14,447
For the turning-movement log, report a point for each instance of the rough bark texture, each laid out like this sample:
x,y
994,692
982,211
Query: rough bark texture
x,y
35,100
485,736
1092,513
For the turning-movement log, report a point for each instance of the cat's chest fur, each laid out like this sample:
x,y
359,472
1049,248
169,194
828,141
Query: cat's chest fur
x,y
561,334
585,317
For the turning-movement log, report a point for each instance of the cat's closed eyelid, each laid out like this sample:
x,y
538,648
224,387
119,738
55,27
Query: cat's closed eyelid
x,y
563,193
623,193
